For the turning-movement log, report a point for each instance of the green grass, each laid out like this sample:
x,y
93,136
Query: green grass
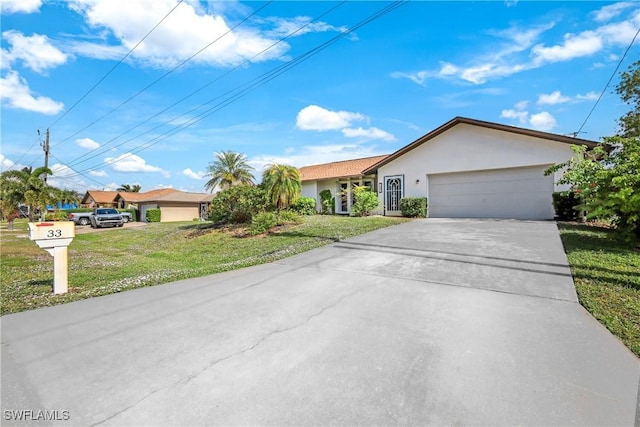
x,y
606,273
115,260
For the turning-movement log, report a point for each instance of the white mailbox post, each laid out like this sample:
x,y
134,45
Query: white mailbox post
x,y
54,237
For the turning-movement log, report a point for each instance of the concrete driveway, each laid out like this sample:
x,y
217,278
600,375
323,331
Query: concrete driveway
x,y
433,322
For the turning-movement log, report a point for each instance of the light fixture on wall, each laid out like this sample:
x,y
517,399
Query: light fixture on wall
x,y
379,187
417,181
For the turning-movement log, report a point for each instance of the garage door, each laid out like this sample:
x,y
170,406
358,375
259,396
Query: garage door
x,y
521,193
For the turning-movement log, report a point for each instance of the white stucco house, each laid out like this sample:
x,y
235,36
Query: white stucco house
x,y
466,168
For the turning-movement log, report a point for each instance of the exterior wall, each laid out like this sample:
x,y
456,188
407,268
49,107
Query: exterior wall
x,y
467,148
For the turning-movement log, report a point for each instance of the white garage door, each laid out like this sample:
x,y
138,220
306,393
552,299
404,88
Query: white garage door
x,y
521,193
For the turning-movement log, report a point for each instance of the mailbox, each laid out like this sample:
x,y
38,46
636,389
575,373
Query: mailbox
x,y
52,230
54,237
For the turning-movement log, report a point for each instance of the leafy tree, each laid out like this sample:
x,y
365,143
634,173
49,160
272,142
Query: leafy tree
x,y
26,186
607,178
608,182
283,185
127,188
228,169
629,90
238,204
364,201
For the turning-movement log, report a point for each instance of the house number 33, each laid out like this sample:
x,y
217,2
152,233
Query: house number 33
x,y
54,233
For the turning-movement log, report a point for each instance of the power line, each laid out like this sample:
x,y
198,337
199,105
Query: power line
x,y
165,74
103,148
38,140
259,81
608,83
116,65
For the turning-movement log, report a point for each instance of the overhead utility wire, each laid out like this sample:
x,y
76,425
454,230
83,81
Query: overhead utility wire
x,y
263,79
608,83
116,65
71,176
103,77
88,155
29,149
165,74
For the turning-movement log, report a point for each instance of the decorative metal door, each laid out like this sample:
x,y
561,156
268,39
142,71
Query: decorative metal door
x,y
394,188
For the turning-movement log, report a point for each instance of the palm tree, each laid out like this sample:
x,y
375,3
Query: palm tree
x,y
26,186
228,169
126,188
282,183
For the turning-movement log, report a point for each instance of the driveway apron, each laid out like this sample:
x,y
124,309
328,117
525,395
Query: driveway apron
x,y
432,322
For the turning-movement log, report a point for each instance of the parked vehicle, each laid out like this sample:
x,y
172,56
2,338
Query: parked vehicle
x,y
106,217
84,218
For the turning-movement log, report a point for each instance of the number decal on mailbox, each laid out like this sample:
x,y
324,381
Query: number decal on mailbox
x,y
54,233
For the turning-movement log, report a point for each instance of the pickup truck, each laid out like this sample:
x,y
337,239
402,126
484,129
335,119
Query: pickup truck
x,y
84,218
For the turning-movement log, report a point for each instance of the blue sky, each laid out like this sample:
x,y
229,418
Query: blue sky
x,y
290,82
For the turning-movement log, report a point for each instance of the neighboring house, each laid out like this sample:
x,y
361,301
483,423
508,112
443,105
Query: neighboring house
x,y
338,177
177,206
99,199
126,200
466,168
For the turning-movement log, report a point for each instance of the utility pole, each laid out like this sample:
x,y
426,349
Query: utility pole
x,y
45,147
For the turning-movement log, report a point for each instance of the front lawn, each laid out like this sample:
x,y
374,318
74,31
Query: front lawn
x,y
606,273
114,260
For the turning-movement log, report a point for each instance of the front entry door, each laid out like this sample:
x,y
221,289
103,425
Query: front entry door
x,y
394,189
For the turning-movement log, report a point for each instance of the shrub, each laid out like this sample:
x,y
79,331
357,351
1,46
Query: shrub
x,y
56,216
263,222
238,204
364,201
304,206
327,202
153,215
566,205
413,207
288,217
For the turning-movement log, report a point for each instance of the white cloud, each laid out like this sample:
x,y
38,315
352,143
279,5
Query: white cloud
x,y
573,46
543,121
100,174
36,51
294,26
419,77
185,31
314,117
128,162
7,164
19,6
65,177
194,175
522,105
611,11
369,133
87,143
552,98
590,96
521,116
15,93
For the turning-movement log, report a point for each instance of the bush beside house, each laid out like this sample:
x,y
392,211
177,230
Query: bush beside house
x,y
153,215
413,207
566,205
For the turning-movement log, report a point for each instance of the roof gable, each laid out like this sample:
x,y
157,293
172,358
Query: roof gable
x,y
100,196
488,125
342,169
